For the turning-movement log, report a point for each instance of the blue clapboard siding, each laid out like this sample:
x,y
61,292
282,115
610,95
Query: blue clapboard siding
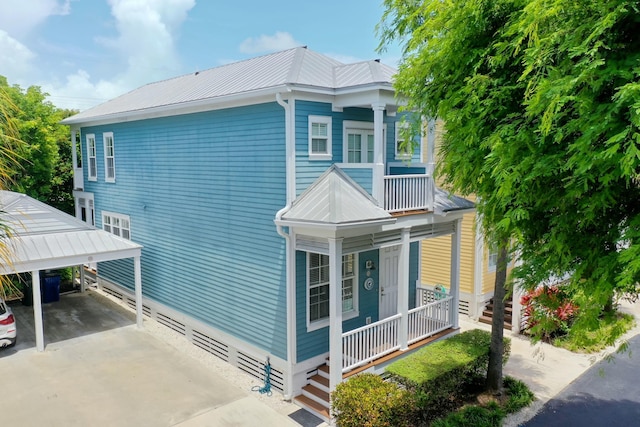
x,y
202,191
310,344
362,176
307,171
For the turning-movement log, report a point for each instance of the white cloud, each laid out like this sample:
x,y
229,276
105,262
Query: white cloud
x,y
15,58
147,30
19,17
265,44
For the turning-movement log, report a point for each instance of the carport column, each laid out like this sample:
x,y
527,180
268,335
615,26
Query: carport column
x,y
455,272
403,288
37,310
138,287
335,313
82,278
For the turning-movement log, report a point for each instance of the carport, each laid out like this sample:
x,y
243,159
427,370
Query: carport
x,y
40,237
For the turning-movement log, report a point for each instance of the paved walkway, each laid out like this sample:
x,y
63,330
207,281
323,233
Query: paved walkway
x,y
547,370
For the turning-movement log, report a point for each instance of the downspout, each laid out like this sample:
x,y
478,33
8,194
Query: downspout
x,y
290,177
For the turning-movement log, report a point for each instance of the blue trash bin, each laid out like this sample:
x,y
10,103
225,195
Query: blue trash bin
x,y
50,289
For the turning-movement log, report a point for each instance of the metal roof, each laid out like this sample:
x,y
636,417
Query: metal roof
x,y
446,202
43,237
298,67
334,198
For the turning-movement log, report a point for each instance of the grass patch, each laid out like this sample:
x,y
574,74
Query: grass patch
x,y
609,328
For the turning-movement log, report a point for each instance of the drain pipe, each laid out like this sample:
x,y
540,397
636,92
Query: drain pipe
x,y
289,252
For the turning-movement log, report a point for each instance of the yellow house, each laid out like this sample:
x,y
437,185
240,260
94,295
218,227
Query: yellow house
x,y
477,261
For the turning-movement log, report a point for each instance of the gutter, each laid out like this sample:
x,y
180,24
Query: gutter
x,y
289,252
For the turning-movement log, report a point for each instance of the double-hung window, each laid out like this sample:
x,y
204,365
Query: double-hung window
x,y
117,224
320,137
318,288
109,157
91,157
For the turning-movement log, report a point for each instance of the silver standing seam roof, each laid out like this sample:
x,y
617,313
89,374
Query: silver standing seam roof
x,y
43,237
298,68
334,198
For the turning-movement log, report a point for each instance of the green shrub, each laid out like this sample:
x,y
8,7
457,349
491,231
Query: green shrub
x,y
442,374
366,400
519,395
473,416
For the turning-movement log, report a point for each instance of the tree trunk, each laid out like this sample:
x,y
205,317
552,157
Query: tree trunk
x,y
496,352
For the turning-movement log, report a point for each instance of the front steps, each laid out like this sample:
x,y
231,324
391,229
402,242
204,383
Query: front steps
x,y
315,395
487,314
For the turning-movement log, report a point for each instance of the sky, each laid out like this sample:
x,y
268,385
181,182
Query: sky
x,y
85,52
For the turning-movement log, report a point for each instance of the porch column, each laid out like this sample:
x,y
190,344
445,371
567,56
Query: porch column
x,y
138,289
335,313
478,268
378,153
455,271
37,310
403,289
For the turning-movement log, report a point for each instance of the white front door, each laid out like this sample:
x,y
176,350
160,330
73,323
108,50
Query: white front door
x,y
389,281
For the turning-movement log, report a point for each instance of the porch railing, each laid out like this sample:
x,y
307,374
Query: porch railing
x,y
408,192
430,319
361,346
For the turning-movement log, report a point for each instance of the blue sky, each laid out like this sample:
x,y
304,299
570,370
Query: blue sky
x,y
83,52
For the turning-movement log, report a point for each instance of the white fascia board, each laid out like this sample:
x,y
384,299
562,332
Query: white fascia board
x,y
335,230
189,107
456,213
56,263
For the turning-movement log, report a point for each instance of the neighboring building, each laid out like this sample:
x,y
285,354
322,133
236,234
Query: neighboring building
x,y
477,260
279,220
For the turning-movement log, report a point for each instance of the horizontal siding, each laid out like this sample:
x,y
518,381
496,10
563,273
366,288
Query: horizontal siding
x,y
202,191
362,176
307,171
436,258
314,343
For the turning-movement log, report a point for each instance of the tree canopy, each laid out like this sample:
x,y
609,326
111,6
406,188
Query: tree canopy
x,y
541,108
45,170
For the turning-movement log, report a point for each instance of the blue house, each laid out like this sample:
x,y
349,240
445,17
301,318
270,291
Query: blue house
x,y
280,218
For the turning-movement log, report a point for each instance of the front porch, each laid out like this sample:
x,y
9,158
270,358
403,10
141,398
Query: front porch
x,y
372,347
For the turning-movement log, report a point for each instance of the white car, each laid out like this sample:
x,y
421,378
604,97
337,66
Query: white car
x,y
7,326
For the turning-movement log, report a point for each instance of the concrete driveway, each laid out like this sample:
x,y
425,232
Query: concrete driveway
x,y
99,370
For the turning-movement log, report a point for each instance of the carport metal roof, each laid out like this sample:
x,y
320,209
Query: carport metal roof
x,y
44,238
41,237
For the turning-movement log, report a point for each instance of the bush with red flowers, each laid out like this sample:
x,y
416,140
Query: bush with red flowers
x,y
548,312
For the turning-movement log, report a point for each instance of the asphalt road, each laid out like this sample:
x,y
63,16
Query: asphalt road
x,y
607,394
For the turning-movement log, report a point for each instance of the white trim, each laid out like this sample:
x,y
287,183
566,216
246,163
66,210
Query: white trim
x,y
346,315
92,176
106,136
121,220
325,120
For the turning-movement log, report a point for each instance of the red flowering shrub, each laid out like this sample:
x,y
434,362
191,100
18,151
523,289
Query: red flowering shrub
x,y
548,312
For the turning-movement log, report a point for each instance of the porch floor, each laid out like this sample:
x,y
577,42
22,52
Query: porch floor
x,y
398,353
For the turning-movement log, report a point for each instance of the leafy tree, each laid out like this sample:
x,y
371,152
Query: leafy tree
x,y
45,156
541,110
449,70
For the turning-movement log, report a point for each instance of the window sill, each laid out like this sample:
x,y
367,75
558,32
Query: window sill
x,y
319,324
320,156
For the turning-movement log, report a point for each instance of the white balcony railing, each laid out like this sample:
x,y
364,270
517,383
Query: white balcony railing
x,y
408,192
429,319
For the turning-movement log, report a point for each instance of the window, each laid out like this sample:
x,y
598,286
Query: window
x,y
91,155
318,285
109,158
320,137
402,152
117,224
360,147
492,258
